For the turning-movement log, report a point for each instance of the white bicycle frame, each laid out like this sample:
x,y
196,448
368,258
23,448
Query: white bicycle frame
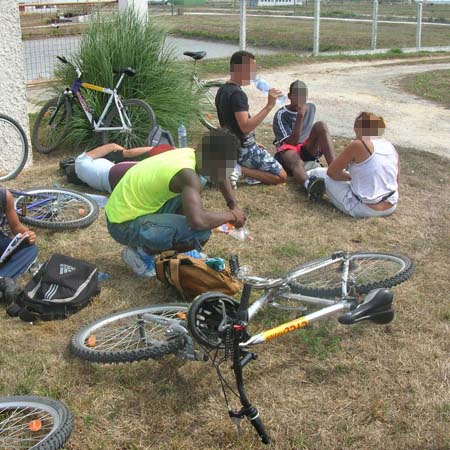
x,y
113,97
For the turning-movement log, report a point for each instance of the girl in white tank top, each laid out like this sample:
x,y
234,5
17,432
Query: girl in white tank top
x,y
363,180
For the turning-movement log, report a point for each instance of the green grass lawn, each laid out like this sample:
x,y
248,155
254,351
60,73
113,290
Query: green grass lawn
x,y
328,388
433,85
297,35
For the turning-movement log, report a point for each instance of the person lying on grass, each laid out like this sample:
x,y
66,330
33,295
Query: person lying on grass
x,y
157,205
98,172
300,142
363,180
254,161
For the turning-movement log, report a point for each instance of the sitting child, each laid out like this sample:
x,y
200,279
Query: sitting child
x,y
300,142
21,260
363,180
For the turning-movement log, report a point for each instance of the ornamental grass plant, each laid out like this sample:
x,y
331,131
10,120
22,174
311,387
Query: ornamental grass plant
x,y
123,39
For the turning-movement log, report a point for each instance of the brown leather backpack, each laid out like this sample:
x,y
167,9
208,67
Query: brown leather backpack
x,y
192,276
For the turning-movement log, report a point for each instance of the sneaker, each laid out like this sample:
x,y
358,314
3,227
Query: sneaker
x,y
316,188
142,264
235,175
252,181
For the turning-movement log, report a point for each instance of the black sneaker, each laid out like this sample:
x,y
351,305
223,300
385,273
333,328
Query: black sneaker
x,y
316,188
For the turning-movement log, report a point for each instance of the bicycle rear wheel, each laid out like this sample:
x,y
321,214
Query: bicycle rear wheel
x,y
35,423
52,124
14,145
142,120
367,271
127,337
208,113
57,208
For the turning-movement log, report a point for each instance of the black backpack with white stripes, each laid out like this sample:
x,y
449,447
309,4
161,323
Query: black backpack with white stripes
x,y
61,287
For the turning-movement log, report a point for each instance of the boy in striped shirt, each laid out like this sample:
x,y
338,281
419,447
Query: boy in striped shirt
x,y
300,142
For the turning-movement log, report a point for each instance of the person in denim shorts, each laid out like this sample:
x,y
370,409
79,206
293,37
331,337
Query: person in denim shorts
x,y
232,106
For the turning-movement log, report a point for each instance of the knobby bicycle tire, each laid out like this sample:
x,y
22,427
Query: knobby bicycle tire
x,y
43,129
60,209
141,124
386,270
129,330
208,114
14,141
24,420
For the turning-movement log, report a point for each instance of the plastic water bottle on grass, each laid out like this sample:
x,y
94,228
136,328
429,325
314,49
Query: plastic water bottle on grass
x,y
264,87
182,136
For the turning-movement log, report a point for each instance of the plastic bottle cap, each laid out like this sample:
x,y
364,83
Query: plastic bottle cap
x,y
35,425
91,340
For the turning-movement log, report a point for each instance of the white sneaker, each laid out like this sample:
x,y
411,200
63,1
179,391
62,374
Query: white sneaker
x,y
235,175
252,181
142,266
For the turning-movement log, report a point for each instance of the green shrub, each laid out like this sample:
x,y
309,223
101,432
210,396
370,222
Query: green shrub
x,y
123,39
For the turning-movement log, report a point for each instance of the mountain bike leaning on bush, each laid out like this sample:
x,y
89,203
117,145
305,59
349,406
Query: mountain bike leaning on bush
x,y
35,423
207,91
219,325
126,122
14,145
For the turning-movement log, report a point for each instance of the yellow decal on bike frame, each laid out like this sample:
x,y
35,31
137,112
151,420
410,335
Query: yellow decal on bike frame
x,y
301,322
93,87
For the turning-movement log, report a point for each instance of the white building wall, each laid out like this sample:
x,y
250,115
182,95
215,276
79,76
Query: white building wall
x,y
12,79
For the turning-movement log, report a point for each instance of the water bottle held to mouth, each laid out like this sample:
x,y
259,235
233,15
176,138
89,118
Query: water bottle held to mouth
x,y
263,86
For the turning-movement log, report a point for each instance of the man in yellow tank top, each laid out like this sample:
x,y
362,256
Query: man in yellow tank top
x,y
157,206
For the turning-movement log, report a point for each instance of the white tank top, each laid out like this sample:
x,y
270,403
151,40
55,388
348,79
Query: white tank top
x,y
376,177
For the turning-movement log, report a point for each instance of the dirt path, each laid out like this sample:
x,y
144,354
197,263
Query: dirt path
x,y
342,89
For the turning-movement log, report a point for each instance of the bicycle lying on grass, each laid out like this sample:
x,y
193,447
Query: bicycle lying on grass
x,y
127,123
207,91
215,327
14,145
54,208
35,423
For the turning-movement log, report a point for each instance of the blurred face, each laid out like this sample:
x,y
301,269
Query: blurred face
x,y
367,127
213,163
298,96
245,72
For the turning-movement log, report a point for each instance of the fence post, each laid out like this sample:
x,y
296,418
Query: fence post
x,y
243,25
374,24
419,26
316,27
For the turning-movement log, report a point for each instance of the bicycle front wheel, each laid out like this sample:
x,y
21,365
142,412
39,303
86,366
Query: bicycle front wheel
x,y
35,423
127,336
52,124
141,119
57,208
208,113
14,145
367,271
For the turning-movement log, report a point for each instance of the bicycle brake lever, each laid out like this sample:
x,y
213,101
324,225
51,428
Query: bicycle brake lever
x,y
236,417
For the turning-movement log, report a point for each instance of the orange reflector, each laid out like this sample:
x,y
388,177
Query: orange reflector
x,y
181,315
91,340
35,425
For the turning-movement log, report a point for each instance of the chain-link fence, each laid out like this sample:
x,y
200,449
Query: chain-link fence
x,y
50,29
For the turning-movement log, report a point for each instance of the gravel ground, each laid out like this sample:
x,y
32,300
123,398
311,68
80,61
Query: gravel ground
x,y
341,90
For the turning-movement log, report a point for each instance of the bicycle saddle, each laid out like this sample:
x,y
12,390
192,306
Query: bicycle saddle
x,y
195,55
376,308
127,71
